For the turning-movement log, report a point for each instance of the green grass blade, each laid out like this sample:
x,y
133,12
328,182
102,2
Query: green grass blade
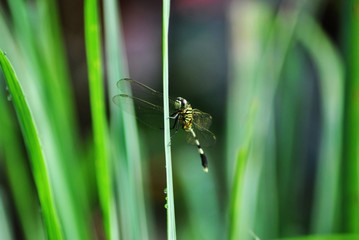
x,y
237,229
98,111
234,230
14,160
5,228
115,69
18,177
32,141
265,46
124,136
171,224
325,237
243,92
350,185
331,76
41,59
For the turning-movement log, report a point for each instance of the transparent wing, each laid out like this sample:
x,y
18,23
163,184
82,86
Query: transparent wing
x,y
123,84
205,137
148,106
140,105
147,102
201,119
142,91
146,112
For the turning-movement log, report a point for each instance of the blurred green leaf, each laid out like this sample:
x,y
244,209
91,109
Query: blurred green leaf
x,y
331,80
328,237
350,184
5,228
98,112
32,141
130,169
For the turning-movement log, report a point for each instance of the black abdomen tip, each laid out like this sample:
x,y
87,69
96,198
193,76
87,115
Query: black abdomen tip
x,y
204,162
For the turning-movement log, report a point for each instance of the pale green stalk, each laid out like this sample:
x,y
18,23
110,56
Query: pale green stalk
x,y
171,224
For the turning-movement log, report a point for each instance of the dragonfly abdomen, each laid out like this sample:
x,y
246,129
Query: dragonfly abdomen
x,y
186,120
200,151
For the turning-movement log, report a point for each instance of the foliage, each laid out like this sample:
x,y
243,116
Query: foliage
x,y
287,156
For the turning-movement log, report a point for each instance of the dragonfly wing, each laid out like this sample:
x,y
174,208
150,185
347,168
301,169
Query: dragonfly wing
x,y
125,82
141,104
201,119
146,112
142,91
205,137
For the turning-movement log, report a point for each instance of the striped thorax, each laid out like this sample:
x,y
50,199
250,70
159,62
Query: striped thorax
x,y
185,113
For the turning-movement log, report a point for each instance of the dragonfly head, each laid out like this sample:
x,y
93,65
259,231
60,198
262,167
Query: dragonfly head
x,y
181,103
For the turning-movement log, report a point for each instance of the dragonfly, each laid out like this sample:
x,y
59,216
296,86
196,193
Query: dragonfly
x,y
194,122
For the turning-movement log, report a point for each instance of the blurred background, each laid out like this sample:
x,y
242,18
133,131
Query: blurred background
x,y
278,77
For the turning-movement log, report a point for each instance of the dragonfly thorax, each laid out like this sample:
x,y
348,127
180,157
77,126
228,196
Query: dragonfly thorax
x,y
184,113
181,103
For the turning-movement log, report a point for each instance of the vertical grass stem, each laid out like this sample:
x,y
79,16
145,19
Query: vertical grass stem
x,y
171,225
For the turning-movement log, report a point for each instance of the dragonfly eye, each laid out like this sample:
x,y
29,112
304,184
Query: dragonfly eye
x,y
184,103
178,104
181,103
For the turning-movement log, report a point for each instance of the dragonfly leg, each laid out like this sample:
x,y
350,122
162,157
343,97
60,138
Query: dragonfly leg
x,y
174,133
175,124
176,127
174,115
